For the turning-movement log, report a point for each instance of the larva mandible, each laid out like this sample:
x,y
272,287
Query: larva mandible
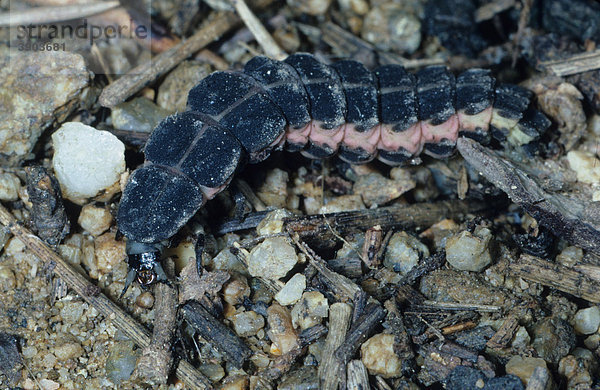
x,y
318,109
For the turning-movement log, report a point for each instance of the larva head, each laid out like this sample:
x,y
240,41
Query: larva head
x,y
144,264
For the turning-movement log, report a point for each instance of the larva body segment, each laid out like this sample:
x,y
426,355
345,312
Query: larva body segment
x,y
474,103
320,110
400,130
359,144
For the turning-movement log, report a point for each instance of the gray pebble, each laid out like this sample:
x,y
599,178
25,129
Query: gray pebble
x,y
303,378
469,252
390,28
248,323
139,114
46,84
121,361
172,93
404,252
553,338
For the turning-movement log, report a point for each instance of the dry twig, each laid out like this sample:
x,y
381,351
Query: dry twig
x,y
565,216
155,363
462,306
580,281
214,331
577,63
491,9
357,376
264,39
339,284
41,15
331,369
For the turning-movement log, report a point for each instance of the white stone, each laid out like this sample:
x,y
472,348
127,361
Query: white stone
x,y
587,321
585,165
86,161
9,187
272,223
273,258
94,220
292,291
248,323
310,310
377,354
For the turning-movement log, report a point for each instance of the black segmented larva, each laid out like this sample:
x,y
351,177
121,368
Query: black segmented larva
x,y
318,109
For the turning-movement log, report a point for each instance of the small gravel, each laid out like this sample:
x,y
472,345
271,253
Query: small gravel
x,y
390,28
121,361
9,187
553,338
36,89
587,321
68,351
236,290
311,7
310,310
86,161
139,114
469,252
377,354
172,93
292,290
378,190
523,366
272,223
343,203
303,378
281,331
95,220
585,165
247,323
272,259
109,252
273,190
404,252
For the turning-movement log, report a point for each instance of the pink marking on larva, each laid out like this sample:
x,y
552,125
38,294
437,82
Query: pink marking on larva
x,y
329,137
298,136
279,141
436,133
409,139
477,122
367,140
210,193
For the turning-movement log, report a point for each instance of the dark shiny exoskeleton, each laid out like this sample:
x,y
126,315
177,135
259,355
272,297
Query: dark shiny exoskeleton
x,y
301,104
